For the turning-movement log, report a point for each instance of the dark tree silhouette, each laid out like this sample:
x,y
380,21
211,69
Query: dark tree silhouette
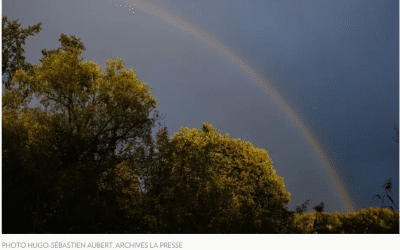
x,y
303,208
318,208
388,185
388,188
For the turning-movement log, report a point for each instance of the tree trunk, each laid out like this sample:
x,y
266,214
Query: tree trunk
x,y
35,223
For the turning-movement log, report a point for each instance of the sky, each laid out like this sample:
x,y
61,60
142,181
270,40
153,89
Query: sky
x,y
314,83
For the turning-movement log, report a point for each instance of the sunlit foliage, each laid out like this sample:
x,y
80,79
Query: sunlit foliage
x,y
12,51
371,221
82,128
201,181
84,160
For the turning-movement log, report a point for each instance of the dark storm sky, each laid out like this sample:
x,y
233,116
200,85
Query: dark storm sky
x,y
335,63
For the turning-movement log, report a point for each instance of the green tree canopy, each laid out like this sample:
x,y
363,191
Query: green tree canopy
x,y
84,159
201,181
12,39
86,126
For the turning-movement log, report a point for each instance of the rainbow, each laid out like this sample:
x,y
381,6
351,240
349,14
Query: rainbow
x,y
177,21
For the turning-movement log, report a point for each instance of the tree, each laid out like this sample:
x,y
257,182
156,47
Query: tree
x,y
388,185
88,124
12,51
319,209
303,208
300,210
202,182
388,188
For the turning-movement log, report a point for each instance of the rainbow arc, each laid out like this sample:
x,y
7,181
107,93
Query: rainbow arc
x,y
180,23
